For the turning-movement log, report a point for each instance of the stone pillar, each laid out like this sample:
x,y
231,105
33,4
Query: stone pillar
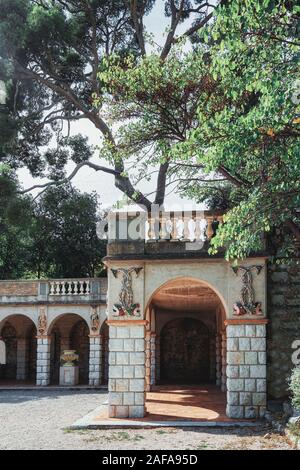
x,y
43,360
126,379
157,359
150,343
218,361
148,360
223,362
246,369
212,359
21,359
152,358
95,360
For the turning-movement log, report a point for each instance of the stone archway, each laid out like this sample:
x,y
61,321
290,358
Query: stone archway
x,y
186,316
69,331
19,335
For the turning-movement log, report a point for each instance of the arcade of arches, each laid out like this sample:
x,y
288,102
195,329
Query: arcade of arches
x,y
25,362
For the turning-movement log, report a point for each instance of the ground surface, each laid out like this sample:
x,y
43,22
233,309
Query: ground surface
x,y
38,420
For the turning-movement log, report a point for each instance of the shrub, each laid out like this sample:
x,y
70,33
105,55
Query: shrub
x,y
294,386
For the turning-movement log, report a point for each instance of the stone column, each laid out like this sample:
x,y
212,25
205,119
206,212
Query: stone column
x,y
43,360
212,359
246,368
148,360
150,343
21,359
126,380
95,360
218,361
223,362
157,359
152,358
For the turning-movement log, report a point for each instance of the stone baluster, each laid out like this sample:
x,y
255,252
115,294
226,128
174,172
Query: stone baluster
x,y
51,288
163,234
191,229
209,230
57,288
87,288
151,231
197,229
180,228
174,234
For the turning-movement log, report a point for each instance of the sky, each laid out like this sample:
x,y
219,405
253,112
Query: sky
x,y
87,179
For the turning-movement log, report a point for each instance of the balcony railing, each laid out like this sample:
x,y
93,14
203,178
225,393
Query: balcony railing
x,y
69,287
54,290
193,227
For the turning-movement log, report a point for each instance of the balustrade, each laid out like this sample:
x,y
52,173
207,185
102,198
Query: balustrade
x,y
175,226
69,287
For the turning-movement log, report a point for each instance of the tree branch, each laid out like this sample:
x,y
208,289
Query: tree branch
x,y
71,176
138,25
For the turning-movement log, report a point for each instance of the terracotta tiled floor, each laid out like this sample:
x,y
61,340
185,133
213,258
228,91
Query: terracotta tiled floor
x,y
182,403
193,403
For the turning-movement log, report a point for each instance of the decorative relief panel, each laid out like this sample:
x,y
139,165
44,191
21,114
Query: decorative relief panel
x,y
247,305
126,306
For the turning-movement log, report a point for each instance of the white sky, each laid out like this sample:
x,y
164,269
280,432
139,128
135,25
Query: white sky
x,y
87,179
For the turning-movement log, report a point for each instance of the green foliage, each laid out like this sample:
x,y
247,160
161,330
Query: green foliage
x,y
55,237
15,225
65,242
295,387
225,115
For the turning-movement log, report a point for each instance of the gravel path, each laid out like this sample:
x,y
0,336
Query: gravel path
x,y
37,420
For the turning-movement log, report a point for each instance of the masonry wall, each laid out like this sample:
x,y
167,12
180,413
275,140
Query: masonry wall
x,y
284,325
18,288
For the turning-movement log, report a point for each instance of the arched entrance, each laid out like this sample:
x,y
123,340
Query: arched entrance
x,y
19,335
186,352
184,347
187,334
69,331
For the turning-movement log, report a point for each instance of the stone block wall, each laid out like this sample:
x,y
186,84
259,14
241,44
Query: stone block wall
x,y
246,370
95,361
126,382
284,326
43,361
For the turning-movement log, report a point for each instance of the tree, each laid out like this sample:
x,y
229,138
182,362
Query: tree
x,y
52,237
65,241
15,227
51,52
225,119
255,132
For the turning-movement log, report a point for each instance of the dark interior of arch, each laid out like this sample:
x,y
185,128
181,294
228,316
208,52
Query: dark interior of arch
x,y
184,349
